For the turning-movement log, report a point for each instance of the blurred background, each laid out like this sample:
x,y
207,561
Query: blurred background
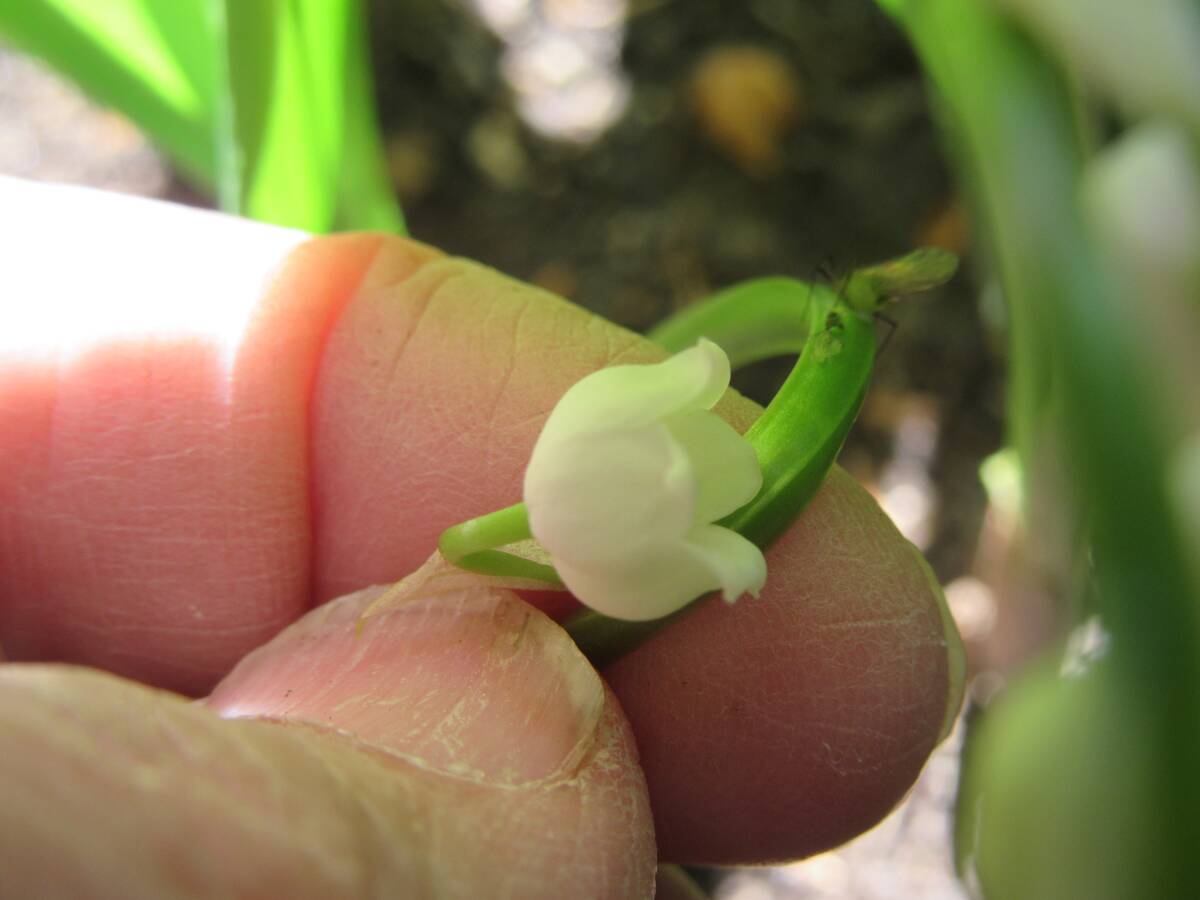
x,y
635,155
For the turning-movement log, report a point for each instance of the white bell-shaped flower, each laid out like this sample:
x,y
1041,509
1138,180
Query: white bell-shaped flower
x,y
626,479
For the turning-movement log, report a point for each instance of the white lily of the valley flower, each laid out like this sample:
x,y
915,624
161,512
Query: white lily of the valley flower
x,y
626,479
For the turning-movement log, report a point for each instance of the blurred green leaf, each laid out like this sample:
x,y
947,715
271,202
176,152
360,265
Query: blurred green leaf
x,y
892,7
1058,790
299,145
1008,106
1146,54
150,59
366,197
268,101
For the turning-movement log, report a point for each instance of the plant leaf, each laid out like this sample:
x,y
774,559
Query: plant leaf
x,y
299,145
150,59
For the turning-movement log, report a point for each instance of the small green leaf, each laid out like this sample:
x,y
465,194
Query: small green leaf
x,y
923,269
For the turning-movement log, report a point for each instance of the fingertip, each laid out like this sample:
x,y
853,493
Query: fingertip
x,y
818,704
440,666
492,703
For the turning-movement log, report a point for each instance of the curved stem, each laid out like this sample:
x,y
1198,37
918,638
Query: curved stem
x,y
751,321
472,545
798,437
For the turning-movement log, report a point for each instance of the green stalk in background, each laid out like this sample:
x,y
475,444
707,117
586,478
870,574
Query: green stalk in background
x,y
297,138
153,61
268,102
1082,786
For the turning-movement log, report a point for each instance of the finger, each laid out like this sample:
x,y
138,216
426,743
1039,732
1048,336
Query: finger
x,y
772,729
433,667
400,453
778,728
114,790
154,508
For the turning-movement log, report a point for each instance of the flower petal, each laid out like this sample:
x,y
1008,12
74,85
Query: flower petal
x,y
650,588
626,475
667,577
639,395
735,562
723,463
601,499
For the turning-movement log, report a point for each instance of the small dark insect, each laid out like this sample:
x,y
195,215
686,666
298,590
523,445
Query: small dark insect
x,y
825,269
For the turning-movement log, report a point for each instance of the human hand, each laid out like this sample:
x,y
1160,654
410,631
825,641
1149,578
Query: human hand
x,y
167,504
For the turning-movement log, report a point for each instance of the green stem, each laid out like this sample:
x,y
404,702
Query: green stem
x,y
751,321
798,437
768,317
471,545
603,639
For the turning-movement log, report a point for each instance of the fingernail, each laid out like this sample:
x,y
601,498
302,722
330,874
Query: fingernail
x,y
956,659
447,672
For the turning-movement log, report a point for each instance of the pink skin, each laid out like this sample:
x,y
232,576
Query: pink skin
x,y
160,517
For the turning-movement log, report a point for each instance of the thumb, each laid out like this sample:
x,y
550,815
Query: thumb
x,y
452,743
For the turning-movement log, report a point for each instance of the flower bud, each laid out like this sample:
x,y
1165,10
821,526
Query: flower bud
x,y
627,478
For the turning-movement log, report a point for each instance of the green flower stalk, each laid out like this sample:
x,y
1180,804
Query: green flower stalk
x,y
644,500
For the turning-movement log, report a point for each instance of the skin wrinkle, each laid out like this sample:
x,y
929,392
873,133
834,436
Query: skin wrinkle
x,y
332,314
79,747
504,652
595,824
491,429
513,347
417,291
426,295
883,622
509,338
